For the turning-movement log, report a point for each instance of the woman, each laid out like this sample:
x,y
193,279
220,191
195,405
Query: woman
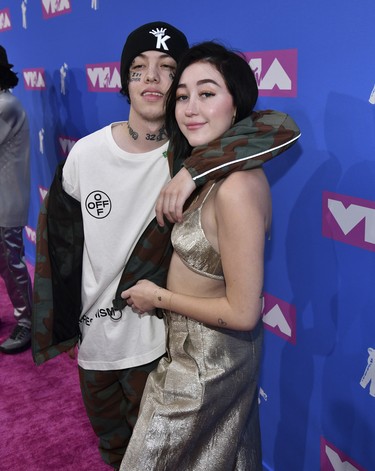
x,y
200,407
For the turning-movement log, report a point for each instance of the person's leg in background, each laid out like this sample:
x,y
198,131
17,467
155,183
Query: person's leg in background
x,y
13,270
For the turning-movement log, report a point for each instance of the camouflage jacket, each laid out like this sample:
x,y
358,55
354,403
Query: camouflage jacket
x,y
59,245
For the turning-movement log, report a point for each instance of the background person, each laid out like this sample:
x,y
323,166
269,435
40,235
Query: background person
x,y
14,206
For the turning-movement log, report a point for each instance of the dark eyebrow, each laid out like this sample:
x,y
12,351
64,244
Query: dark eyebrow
x,y
161,56
200,82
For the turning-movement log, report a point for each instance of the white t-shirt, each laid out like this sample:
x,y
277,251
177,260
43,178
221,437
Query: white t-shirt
x,y
117,191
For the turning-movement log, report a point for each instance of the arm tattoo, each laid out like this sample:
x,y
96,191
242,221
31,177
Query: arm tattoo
x,y
221,322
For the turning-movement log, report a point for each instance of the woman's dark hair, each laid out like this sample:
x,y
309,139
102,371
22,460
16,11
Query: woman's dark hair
x,y
8,78
237,75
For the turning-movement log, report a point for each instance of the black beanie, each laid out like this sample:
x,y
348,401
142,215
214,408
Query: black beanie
x,y
156,36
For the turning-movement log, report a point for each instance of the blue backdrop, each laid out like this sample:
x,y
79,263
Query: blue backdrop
x,y
315,61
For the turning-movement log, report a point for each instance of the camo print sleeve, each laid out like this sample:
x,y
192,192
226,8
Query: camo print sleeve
x,y
149,260
43,347
268,134
57,281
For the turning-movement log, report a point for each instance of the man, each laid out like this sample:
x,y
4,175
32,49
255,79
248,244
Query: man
x,y
116,175
14,206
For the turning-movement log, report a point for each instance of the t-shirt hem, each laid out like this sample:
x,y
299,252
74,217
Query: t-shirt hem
x,y
124,363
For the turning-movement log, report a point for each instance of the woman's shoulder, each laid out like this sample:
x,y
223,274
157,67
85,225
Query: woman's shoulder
x,y
246,192
240,184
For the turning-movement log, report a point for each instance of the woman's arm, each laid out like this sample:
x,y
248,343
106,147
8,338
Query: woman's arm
x,y
243,214
268,134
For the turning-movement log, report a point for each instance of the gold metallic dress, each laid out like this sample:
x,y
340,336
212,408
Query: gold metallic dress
x,y
199,410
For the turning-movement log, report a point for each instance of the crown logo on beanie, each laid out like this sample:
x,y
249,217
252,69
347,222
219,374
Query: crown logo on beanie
x,y
159,33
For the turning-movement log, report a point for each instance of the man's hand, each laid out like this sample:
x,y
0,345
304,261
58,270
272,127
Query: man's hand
x,y
173,196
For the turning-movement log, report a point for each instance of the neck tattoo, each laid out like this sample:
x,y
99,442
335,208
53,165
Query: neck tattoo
x,y
132,133
157,137
160,136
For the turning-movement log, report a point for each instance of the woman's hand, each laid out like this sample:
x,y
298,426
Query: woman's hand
x,y
142,296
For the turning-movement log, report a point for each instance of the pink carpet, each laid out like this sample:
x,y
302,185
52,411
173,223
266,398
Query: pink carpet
x,y
43,424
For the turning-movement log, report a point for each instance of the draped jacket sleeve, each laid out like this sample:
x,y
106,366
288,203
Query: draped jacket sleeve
x,y
58,269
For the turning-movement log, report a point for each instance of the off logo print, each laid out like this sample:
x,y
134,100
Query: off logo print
x,y
98,204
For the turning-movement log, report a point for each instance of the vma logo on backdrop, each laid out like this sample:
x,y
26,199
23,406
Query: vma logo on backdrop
x,y
30,234
103,77
34,79
275,72
368,377
279,317
42,192
5,23
333,459
350,220
53,8
66,144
